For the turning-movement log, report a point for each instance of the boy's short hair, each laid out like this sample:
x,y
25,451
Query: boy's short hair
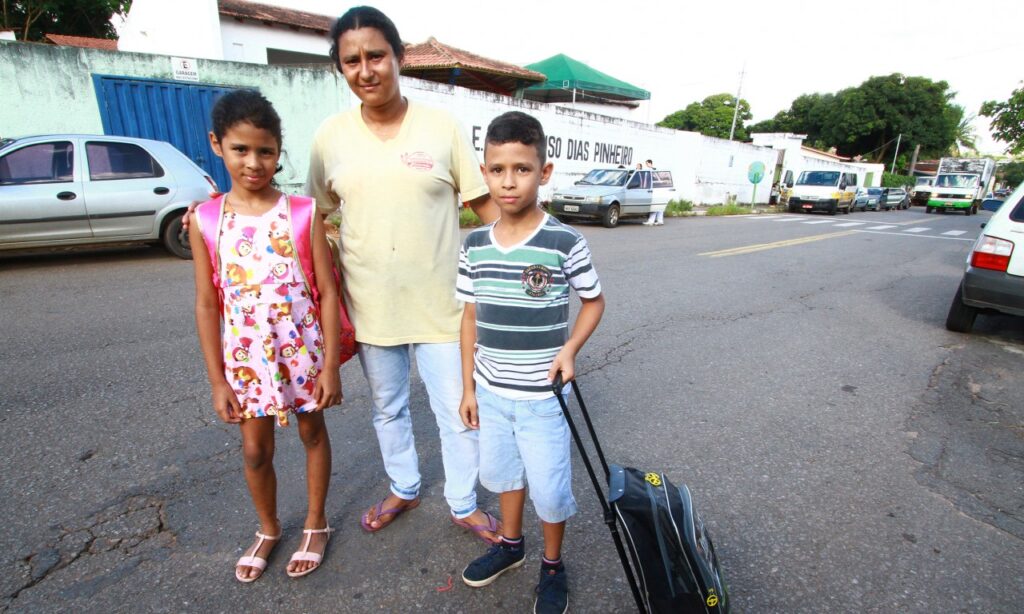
x,y
517,127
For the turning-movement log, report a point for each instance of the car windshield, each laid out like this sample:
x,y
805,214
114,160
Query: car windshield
x,y
956,181
600,176
818,178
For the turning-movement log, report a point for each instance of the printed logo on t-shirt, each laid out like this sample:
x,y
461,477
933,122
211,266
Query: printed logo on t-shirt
x,y
536,279
418,161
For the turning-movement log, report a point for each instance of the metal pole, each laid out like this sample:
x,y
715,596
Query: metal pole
x,y
892,169
736,104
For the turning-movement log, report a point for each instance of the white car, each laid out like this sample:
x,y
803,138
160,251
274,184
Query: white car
x,y
79,189
994,279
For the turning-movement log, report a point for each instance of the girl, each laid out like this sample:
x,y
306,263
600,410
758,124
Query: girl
x,y
269,351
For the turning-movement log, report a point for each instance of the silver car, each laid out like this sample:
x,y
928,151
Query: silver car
x,y
867,198
78,189
894,198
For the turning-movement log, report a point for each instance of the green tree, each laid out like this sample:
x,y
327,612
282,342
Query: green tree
x,y
32,20
1008,120
1011,173
965,140
711,117
867,119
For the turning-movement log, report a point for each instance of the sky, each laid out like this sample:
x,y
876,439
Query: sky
x,y
682,51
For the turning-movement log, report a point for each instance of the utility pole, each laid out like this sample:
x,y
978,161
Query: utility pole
x,y
892,169
913,159
736,104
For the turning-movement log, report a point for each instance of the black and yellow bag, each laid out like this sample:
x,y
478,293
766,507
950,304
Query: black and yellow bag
x,y
674,566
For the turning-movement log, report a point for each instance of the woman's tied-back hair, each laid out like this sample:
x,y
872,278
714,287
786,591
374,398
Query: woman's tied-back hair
x,y
245,106
518,127
366,17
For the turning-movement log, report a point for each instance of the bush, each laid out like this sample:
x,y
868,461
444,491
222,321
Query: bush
x,y
727,210
678,208
468,219
891,180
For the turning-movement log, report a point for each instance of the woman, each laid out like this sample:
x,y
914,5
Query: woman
x,y
396,170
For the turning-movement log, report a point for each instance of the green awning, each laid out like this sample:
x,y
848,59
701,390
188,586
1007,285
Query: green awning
x,y
566,74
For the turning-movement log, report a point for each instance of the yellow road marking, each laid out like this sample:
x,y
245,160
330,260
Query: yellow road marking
x,y
749,249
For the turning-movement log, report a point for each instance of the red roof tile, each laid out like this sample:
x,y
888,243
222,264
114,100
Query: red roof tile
x,y
433,55
240,9
82,41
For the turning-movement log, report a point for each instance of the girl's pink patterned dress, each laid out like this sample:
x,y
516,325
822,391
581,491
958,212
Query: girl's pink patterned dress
x,y
273,347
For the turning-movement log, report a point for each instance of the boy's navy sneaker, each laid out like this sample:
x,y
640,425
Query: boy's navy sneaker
x,y
499,559
552,591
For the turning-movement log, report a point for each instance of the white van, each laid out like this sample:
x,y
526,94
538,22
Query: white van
x,y
829,190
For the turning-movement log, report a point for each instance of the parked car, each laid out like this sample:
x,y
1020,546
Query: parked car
x,y
922,191
994,278
867,198
611,194
894,198
79,189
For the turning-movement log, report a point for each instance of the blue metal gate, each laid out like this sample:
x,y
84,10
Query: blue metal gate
x,y
171,111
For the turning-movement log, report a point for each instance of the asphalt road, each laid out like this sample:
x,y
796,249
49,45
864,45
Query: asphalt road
x,y
846,451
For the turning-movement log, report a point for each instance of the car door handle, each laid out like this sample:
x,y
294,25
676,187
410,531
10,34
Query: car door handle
x,y
650,191
67,195
161,190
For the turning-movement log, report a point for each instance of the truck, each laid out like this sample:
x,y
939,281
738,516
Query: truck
x,y
960,185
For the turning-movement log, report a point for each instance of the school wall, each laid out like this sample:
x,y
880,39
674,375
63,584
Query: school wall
x,y
705,169
49,89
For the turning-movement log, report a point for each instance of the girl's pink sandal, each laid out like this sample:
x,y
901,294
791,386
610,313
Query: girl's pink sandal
x,y
252,560
306,555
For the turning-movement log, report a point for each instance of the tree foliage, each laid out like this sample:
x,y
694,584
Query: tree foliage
x,y
711,117
866,120
1011,173
32,20
1008,120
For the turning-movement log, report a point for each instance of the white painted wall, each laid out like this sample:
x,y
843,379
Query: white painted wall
x,y
797,159
705,169
184,28
248,41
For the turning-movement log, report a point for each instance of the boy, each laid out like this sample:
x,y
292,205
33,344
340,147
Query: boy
x,y
514,277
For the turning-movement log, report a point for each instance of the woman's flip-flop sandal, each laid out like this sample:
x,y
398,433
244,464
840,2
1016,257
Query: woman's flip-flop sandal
x,y
251,560
306,555
493,526
411,504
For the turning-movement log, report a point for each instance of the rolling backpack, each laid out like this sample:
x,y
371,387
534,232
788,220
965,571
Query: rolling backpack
x,y
300,214
674,566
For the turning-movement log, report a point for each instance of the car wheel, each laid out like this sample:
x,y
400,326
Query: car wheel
x,y
833,209
175,239
927,209
961,317
611,217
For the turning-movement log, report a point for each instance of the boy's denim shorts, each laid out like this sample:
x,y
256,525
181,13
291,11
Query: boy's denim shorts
x,y
526,439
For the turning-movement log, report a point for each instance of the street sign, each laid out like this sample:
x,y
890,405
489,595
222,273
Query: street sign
x,y
755,173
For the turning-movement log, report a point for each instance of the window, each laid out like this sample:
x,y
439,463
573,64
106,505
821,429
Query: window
x,y
41,163
634,182
662,179
1017,214
120,161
